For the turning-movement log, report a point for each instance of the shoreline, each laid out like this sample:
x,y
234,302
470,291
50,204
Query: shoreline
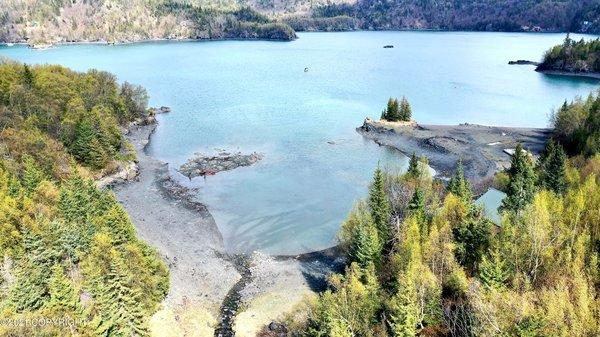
x,y
482,149
595,76
158,40
124,43
209,286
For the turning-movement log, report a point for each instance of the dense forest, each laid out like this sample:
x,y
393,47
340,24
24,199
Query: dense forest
x,y
573,57
69,251
480,15
40,22
51,21
425,261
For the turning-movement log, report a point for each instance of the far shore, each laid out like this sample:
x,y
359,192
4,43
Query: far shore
x,y
47,45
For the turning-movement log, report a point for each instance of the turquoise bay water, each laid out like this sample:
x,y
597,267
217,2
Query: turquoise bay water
x,y
256,96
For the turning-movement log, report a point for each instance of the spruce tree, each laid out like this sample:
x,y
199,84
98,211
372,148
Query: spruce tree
x,y
392,112
417,202
521,186
62,295
366,248
405,113
32,175
413,166
459,185
119,303
403,312
493,271
81,147
552,168
97,156
379,205
28,77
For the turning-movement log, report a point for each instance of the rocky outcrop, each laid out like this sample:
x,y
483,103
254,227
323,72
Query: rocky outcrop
x,y
203,165
126,172
523,62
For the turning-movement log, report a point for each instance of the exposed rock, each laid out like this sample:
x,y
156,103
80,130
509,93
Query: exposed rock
x,y
277,327
203,165
126,172
523,62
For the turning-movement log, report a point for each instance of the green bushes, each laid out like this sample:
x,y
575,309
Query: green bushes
x,y
440,268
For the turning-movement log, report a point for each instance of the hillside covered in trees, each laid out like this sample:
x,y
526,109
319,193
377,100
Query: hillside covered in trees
x,y
573,57
69,251
425,261
480,15
51,21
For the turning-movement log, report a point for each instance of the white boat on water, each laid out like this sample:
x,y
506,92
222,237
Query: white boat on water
x,y
10,44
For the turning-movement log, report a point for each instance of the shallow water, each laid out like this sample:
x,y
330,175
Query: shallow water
x,y
256,96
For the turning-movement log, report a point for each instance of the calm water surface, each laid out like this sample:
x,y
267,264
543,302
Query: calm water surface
x,y
255,96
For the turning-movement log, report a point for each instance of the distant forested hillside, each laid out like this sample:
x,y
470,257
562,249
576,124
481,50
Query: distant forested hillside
x,y
481,15
50,21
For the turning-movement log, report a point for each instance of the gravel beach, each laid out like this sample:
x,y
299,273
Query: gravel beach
x,y
202,274
481,148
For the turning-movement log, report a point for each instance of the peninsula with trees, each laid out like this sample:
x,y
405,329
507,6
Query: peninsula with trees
x,y
580,58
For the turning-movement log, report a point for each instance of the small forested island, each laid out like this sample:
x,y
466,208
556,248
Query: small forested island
x,y
69,249
573,57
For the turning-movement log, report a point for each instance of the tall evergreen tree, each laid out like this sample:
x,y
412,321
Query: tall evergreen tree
x,y
81,147
493,271
32,175
28,77
119,304
62,295
521,186
392,111
472,238
459,185
417,202
405,113
379,205
552,168
413,166
366,247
